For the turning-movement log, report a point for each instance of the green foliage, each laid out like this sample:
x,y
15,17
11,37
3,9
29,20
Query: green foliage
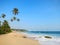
x,y
23,30
3,15
11,20
18,19
2,31
14,18
5,28
15,11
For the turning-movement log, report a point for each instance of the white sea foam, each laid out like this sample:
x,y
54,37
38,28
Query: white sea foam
x,y
42,40
53,41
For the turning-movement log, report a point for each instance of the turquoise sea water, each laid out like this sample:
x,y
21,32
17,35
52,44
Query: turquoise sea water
x,y
50,33
40,36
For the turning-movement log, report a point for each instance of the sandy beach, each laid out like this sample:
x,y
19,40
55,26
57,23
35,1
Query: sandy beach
x,y
15,38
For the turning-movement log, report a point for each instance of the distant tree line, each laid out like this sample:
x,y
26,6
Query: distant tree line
x,y
21,30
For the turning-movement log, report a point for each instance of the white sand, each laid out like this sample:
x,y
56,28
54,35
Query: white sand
x,y
14,38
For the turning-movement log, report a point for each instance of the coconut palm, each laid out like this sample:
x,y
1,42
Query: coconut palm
x,y
3,15
15,11
11,20
14,18
6,27
18,19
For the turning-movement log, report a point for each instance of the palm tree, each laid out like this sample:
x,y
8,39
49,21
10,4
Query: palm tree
x,y
11,20
15,11
3,15
6,27
14,18
18,19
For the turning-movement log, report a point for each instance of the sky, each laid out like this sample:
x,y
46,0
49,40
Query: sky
x,y
33,14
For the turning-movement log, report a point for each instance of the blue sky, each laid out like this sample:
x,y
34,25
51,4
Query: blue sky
x,y
34,14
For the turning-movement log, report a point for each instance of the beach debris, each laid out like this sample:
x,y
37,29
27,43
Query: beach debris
x,y
24,37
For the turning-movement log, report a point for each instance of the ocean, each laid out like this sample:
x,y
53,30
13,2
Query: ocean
x,y
40,36
49,33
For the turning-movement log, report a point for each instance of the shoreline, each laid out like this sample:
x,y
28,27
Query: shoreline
x,y
22,38
42,40
15,38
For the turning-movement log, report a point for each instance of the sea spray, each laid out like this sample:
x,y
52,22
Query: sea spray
x,y
55,40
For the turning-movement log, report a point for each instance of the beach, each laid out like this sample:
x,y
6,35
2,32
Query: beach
x,y
28,38
15,38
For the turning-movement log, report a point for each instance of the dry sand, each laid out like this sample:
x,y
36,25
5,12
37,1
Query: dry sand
x,y
14,38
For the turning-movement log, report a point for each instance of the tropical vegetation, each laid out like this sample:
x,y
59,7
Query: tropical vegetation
x,y
4,27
